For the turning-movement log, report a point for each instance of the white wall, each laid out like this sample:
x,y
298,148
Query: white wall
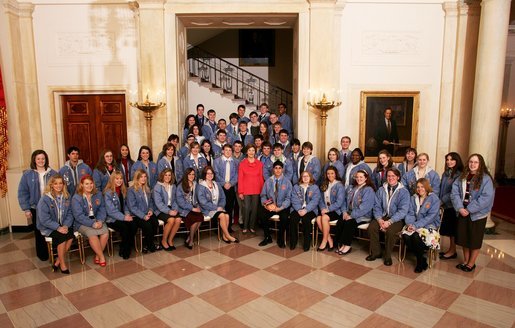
x,y
390,47
83,48
509,167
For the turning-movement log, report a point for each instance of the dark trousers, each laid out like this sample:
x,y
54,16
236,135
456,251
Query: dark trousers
x,y
416,245
149,229
230,200
41,248
390,237
345,230
307,228
127,230
283,223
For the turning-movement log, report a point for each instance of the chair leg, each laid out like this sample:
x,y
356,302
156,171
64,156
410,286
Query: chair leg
x,y
110,249
80,244
50,252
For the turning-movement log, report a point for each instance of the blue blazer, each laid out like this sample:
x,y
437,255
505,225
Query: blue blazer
x,y
183,152
29,191
208,130
80,210
47,218
428,215
114,207
219,167
160,197
268,167
360,166
362,203
283,200
377,180
67,173
337,198
205,198
409,180
248,138
136,203
101,179
217,150
188,162
446,187
286,123
337,165
313,167
184,200
165,164
397,208
313,198
481,201
151,173
403,168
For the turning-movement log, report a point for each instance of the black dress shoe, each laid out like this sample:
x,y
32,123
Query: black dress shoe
x,y
321,249
306,248
466,268
345,253
266,241
226,241
172,248
67,271
421,267
460,266
371,258
144,250
165,248
281,244
388,262
236,241
453,256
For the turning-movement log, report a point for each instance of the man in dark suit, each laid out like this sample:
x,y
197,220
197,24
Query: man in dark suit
x,y
386,132
200,118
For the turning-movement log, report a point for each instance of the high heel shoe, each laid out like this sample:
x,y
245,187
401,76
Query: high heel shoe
x,y
226,241
55,267
321,249
67,271
330,248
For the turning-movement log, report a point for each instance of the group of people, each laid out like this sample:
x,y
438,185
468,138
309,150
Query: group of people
x,y
255,165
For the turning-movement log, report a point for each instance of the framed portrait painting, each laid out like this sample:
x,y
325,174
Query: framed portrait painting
x,y
388,121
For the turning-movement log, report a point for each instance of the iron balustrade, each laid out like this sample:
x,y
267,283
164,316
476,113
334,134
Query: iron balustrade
x,y
233,79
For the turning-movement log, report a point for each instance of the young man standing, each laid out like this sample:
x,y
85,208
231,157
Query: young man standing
x,y
241,114
276,198
345,151
285,119
209,127
74,169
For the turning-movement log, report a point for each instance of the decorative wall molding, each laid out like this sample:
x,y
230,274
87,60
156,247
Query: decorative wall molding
x,y
385,43
79,44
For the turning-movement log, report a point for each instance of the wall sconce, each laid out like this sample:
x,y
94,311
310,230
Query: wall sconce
x,y
148,107
323,104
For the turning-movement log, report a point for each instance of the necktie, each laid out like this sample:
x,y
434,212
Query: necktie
x,y
345,160
388,126
302,166
233,130
227,171
276,190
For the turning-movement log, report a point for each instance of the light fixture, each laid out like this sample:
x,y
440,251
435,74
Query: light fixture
x,y
319,101
148,107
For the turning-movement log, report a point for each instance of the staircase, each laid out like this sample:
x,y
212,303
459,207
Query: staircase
x,y
233,82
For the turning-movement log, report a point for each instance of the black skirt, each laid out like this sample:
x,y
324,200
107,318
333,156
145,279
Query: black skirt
x,y
449,222
59,238
469,234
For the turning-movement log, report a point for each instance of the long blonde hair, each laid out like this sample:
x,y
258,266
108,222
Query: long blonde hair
x,y
111,184
137,176
51,181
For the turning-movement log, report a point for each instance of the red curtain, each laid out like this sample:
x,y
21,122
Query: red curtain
x,y
4,145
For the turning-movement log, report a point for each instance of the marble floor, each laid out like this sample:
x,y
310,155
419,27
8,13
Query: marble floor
x,y
240,285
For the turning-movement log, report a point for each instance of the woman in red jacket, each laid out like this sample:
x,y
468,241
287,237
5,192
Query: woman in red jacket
x,y
250,183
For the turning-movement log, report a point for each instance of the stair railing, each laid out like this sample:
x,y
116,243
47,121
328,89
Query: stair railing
x,y
233,79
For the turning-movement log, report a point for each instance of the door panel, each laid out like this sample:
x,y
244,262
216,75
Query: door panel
x,y
94,123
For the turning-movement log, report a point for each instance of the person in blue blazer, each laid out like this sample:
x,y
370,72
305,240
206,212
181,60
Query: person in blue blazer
x,y
145,162
105,167
194,159
304,207
356,163
74,169
424,212
166,208
331,203
243,134
288,170
90,215
409,161
219,142
333,159
452,171
189,121
227,177
119,217
384,162
189,208
390,208
276,199
125,163
307,162
141,207
170,161
356,210
422,170
32,183
211,199
55,219
472,196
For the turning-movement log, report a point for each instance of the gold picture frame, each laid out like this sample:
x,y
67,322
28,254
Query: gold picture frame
x,y
404,122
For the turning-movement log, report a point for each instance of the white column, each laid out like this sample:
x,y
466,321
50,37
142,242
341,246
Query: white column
x,y
491,55
447,82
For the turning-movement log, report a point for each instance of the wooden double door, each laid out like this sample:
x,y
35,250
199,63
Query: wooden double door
x,y
94,123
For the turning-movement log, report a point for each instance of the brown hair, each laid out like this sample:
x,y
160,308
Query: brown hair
x,y
481,171
425,183
161,176
311,178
